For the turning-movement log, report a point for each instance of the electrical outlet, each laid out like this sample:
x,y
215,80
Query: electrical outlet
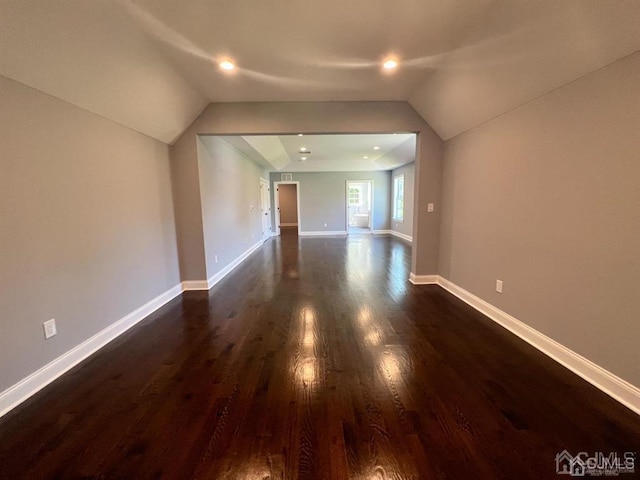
x,y
429,207
499,286
215,258
49,328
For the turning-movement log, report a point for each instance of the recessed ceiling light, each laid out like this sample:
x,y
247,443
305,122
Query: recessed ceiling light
x,y
376,148
227,65
302,149
303,158
301,134
365,157
390,64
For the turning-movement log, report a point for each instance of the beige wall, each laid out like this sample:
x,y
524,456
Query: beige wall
x,y
547,198
316,117
230,198
288,204
87,233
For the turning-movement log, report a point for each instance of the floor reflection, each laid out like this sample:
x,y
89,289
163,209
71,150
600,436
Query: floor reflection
x,y
390,366
305,362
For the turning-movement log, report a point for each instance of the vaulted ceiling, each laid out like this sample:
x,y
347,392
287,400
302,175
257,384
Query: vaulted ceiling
x,y
152,65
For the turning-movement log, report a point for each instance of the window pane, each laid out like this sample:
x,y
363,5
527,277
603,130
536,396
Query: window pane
x,y
354,196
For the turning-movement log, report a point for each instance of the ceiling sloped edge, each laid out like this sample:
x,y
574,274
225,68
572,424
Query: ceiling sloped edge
x,y
92,57
267,118
399,156
270,148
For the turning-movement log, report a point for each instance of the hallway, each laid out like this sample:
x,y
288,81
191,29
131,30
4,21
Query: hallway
x,y
315,358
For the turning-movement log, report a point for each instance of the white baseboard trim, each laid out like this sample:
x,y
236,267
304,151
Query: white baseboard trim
x,y
25,388
322,233
612,385
288,225
227,270
195,285
423,279
408,238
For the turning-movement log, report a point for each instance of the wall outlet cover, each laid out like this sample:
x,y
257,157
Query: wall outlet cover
x,y
49,328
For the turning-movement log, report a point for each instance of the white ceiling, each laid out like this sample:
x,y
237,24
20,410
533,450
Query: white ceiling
x,y
152,64
329,153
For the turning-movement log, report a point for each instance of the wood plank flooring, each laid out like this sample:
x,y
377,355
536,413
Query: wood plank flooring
x,y
315,359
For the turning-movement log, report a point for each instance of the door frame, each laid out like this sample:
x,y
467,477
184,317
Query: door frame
x,y
346,202
265,183
276,197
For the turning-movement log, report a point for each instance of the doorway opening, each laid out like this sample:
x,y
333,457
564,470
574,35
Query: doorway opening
x,y
359,201
287,211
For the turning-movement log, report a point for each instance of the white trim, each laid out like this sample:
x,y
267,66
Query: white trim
x,y
227,270
25,388
612,385
408,238
322,233
195,285
288,224
403,236
423,279
264,182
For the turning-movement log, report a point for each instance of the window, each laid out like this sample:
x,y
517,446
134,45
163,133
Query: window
x,y
354,197
398,198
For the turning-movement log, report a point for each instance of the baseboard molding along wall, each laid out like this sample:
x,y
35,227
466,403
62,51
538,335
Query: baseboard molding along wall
x,y
617,388
195,285
322,233
403,236
423,279
29,386
227,270
612,385
21,391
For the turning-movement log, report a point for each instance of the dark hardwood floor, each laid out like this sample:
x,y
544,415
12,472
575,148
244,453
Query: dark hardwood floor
x,y
316,358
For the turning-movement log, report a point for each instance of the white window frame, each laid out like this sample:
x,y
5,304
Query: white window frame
x,y
396,197
359,197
